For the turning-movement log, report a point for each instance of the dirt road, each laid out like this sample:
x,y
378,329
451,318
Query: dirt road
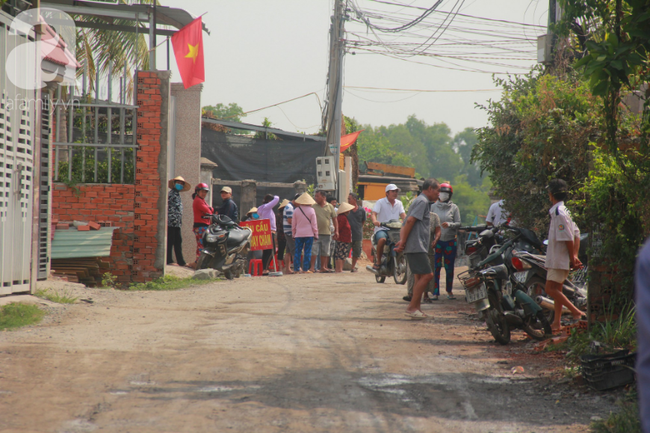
x,y
312,353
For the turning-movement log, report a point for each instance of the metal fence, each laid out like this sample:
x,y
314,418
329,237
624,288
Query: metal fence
x,y
17,145
95,139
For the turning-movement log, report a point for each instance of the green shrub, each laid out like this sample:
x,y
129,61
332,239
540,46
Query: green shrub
x,y
65,298
169,282
108,280
626,420
17,315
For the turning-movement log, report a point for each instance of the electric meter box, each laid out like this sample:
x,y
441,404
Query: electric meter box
x,y
325,176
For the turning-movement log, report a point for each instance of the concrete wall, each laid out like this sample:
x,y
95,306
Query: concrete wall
x,y
187,158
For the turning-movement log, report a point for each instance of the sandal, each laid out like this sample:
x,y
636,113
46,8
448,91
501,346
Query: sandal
x,y
450,296
416,315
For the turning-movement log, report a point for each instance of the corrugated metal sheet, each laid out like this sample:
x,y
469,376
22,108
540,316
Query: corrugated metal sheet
x,y
69,244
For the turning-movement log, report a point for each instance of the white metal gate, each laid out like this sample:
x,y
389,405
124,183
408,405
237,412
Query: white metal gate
x,y
17,123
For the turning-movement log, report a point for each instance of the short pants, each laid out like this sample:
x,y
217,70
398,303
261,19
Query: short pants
x,y
356,249
419,263
321,246
557,275
342,250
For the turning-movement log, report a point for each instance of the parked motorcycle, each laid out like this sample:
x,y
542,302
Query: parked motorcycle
x,y
531,272
392,263
498,297
225,247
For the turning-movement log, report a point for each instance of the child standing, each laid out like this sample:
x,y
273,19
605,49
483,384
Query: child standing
x,y
344,241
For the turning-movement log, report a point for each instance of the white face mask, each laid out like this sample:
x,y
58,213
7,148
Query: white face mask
x,y
444,196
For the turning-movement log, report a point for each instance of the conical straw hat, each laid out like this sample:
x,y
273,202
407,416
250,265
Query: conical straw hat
x,y
305,200
186,186
284,203
344,207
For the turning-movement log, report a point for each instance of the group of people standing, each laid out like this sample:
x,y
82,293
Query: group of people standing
x,y
200,209
306,231
440,230
316,230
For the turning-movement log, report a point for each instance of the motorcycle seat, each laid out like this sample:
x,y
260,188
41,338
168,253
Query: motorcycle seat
x,y
498,272
236,237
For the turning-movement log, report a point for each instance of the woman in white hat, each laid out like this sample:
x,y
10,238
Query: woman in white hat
x,y
175,219
304,230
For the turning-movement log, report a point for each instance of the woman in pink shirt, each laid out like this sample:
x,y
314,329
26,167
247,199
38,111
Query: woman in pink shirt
x,y
304,229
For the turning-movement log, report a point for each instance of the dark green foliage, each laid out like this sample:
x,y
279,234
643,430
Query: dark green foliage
x,y
539,130
432,151
83,166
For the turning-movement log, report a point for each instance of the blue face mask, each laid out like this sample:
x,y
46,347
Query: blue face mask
x,y
178,187
255,215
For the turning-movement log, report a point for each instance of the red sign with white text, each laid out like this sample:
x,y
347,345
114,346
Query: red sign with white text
x,y
261,239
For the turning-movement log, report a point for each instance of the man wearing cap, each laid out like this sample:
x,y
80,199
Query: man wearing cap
x,y
386,209
175,219
229,207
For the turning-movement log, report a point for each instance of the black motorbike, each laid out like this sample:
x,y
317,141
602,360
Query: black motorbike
x,y
392,263
531,272
498,297
225,247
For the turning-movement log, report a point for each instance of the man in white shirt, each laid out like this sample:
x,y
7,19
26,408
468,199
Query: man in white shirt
x,y
497,215
386,209
562,251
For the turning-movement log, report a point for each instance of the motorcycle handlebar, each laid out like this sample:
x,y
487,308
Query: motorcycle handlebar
x,y
478,228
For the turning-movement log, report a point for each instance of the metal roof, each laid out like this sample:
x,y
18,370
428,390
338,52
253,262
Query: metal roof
x,y
251,127
69,244
165,15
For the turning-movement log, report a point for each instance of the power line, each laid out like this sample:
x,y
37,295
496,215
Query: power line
x,y
422,90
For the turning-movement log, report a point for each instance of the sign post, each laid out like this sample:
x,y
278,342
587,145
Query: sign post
x,y
262,239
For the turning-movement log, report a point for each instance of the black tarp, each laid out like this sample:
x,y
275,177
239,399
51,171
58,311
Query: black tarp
x,y
286,160
239,157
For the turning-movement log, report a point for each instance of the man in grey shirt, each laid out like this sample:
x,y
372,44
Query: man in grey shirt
x,y
414,242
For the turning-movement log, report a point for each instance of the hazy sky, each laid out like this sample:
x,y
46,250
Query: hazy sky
x,y
262,52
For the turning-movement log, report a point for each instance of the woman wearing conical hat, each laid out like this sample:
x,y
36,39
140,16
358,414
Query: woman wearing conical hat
x,y
304,230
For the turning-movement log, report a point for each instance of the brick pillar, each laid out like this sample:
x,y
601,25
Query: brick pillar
x,y
150,235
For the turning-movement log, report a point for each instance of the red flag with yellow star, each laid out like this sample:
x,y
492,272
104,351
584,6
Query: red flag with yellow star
x,y
188,50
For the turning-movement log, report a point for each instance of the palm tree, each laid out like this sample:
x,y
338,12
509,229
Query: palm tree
x,y
101,49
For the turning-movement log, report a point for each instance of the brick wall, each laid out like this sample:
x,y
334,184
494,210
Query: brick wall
x,y
102,203
138,250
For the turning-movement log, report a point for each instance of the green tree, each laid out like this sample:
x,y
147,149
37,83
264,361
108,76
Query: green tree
x,y
539,130
463,143
221,111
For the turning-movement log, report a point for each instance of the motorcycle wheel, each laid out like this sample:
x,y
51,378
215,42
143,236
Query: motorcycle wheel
x,y
536,288
380,279
541,333
399,271
204,261
498,326
228,274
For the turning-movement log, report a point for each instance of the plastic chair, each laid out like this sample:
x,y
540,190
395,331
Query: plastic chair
x,y
255,267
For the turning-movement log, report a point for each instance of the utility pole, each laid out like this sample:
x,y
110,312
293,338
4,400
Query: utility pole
x,y
333,115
